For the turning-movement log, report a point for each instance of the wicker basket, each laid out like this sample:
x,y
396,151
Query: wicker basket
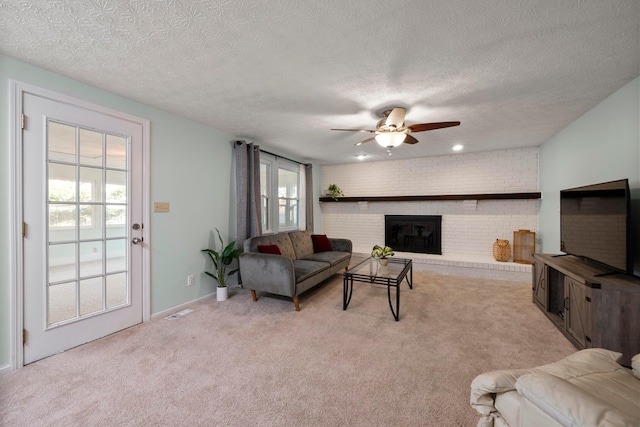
x,y
501,250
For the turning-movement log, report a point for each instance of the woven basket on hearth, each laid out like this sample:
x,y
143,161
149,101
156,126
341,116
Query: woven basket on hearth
x,y
501,250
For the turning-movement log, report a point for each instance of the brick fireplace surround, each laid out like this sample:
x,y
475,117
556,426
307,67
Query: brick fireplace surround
x,y
469,227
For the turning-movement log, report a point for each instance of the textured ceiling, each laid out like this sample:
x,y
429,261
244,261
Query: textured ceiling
x,y
282,73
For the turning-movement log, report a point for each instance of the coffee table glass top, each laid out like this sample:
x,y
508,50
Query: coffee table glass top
x,y
370,268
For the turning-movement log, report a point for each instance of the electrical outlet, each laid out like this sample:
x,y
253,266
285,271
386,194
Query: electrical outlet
x,y
191,280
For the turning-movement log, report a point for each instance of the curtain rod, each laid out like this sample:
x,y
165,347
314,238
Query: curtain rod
x,y
283,157
278,156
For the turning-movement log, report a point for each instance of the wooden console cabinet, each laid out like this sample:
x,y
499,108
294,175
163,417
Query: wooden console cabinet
x,y
590,306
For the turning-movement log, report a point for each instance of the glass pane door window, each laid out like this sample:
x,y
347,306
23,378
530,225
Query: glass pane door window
x,y
288,183
88,215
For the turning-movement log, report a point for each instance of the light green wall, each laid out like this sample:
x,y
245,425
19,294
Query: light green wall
x,y
602,145
190,169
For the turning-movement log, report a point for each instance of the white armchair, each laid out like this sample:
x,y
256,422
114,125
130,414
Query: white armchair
x,y
587,388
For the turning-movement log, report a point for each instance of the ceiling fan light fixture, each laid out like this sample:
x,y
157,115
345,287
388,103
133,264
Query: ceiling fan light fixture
x,y
390,139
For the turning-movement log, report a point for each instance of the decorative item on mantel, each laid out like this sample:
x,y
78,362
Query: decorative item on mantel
x,y
381,253
524,246
501,250
335,192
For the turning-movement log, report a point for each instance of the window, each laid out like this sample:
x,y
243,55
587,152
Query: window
x,y
280,189
265,193
63,214
288,198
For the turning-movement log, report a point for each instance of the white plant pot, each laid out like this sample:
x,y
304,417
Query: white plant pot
x,y
383,261
222,293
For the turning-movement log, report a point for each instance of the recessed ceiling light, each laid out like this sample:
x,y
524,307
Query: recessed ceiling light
x,y
458,147
361,157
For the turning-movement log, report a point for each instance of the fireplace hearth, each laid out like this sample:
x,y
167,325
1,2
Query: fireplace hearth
x,y
414,233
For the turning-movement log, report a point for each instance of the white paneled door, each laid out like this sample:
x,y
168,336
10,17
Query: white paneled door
x,y
83,231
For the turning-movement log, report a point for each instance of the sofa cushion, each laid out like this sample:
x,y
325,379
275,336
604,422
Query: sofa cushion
x,y
301,242
321,243
618,388
282,240
305,268
331,257
269,249
596,371
574,406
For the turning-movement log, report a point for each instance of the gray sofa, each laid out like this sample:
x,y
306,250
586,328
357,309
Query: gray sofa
x,y
296,270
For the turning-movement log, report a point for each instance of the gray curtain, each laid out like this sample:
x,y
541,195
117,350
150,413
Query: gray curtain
x,y
247,190
308,177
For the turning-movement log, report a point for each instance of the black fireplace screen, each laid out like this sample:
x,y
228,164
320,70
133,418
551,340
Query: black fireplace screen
x,y
414,233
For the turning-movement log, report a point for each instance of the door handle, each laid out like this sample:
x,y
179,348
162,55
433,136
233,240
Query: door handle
x,y
137,240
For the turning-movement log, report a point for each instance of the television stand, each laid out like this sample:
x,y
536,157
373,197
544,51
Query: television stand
x,y
589,306
608,273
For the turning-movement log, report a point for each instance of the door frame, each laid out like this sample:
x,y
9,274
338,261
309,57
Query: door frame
x,y
16,260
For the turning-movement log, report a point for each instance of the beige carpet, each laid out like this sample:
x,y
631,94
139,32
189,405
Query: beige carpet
x,y
245,363
64,300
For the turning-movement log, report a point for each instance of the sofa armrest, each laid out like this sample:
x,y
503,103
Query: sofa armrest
x,y
341,245
484,388
568,404
268,273
635,365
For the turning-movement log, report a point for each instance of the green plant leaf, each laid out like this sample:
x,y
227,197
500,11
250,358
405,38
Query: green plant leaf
x,y
221,260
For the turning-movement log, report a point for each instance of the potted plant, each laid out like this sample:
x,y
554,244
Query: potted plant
x,y
381,253
335,192
221,260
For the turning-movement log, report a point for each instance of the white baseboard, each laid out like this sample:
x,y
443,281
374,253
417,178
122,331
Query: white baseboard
x,y
483,268
179,307
5,370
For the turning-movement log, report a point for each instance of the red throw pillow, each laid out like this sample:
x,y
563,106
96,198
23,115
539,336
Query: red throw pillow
x,y
269,249
321,243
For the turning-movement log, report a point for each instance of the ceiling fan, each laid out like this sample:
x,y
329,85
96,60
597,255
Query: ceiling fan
x,y
391,130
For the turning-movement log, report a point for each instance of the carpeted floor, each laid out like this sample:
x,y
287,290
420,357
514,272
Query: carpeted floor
x,y
245,363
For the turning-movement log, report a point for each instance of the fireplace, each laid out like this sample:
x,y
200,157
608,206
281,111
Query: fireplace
x,y
414,233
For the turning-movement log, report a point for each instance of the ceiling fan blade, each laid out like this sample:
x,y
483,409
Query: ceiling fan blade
x,y
410,140
357,130
373,138
431,126
396,117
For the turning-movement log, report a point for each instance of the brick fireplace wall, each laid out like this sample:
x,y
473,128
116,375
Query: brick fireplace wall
x,y
469,227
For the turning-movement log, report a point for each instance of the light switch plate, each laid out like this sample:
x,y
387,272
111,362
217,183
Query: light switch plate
x,y
161,207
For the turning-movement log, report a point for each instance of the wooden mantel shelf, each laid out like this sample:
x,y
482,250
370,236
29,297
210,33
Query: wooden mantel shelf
x,y
488,196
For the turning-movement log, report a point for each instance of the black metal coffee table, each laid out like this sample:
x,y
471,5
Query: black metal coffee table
x,y
370,271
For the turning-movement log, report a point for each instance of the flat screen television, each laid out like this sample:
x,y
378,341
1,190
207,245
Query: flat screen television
x,y
594,224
